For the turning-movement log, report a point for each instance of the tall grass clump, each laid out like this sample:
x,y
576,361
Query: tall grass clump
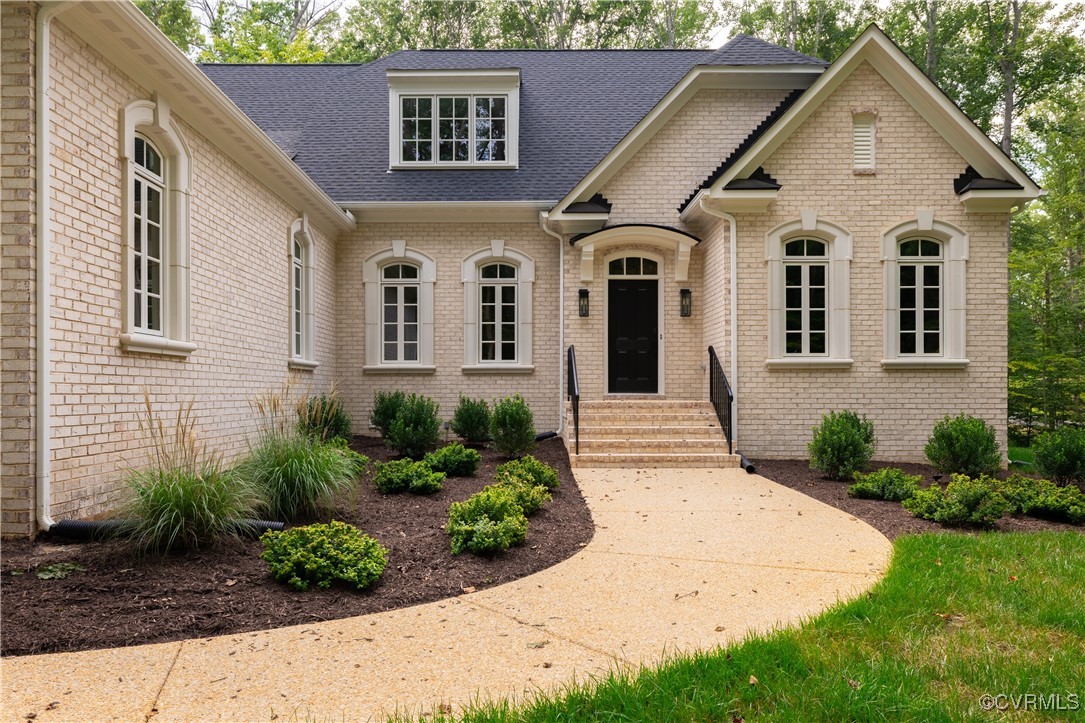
x,y
325,418
186,498
297,474
842,445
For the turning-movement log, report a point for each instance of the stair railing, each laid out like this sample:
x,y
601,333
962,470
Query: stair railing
x,y
574,394
720,394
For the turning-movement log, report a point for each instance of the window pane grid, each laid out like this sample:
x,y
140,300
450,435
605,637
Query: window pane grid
x,y
400,332
806,311
497,313
147,221
920,315
469,129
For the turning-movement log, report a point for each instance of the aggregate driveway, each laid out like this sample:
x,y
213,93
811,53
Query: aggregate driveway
x,y
681,560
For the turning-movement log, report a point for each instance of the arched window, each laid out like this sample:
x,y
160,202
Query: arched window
x,y
147,222
399,313
302,314
919,291
806,283
497,327
497,313
399,285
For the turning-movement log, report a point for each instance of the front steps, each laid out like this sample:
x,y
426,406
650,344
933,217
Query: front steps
x,y
648,433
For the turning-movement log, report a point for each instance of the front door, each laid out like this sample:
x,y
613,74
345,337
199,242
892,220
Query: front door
x,y
633,336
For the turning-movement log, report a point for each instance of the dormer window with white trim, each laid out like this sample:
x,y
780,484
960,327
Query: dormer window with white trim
x,y
453,119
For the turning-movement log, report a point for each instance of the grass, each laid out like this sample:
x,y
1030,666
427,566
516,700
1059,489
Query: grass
x,y
1021,456
957,617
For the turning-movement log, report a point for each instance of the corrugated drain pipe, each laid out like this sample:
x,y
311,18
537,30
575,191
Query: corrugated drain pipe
x,y
108,529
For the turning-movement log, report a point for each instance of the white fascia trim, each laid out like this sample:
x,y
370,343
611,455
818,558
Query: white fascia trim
x,y
506,76
920,92
448,211
699,77
152,60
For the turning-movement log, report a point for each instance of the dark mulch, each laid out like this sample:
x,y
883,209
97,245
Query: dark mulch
x,y
118,600
889,518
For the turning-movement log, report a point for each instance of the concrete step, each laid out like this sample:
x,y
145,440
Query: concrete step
x,y
679,432
653,446
645,418
655,461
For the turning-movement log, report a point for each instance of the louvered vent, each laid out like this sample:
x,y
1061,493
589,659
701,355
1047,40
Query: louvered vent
x,y
863,141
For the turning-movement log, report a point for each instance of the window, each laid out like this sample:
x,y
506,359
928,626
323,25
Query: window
x,y
399,299
302,315
498,324
925,299
453,118
633,266
156,183
399,311
809,288
806,278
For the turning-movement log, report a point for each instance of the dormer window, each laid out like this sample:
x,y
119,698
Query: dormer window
x,y
453,119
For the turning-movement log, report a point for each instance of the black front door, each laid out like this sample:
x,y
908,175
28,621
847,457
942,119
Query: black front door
x,y
633,331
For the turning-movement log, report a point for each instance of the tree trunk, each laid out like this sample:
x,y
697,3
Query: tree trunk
x,y
932,46
1008,65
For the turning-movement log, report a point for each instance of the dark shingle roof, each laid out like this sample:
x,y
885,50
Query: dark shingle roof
x,y
574,107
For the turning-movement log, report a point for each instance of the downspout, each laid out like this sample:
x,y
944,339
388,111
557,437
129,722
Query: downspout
x,y
544,224
44,156
733,243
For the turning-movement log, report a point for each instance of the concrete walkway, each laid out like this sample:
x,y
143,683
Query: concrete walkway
x,y
681,560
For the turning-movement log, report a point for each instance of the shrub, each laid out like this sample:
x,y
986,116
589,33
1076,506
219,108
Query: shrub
x,y
358,461
528,468
964,501
454,460
530,497
885,484
297,474
404,475
324,554
512,427
1061,455
963,445
1043,498
416,428
325,418
385,408
487,522
842,444
471,420
186,498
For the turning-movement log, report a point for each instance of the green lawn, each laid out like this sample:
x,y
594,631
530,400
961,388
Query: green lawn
x,y
1022,454
958,616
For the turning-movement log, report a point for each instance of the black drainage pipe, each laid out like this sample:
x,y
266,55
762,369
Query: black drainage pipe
x,y
545,435
745,463
105,529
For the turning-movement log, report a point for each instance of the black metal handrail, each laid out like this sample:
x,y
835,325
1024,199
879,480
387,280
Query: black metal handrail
x,y
574,394
721,396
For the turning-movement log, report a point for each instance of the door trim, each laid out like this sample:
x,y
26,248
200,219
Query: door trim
x,y
660,279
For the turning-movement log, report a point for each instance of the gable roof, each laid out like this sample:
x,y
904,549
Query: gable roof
x,y
748,50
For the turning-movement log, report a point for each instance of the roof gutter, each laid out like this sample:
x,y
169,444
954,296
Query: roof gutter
x,y
43,310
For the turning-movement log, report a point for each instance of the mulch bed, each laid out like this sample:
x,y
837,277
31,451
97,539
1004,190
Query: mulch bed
x,y
889,518
118,600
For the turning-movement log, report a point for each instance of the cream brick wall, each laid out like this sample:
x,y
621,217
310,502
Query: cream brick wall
x,y
449,245
239,292
17,265
915,169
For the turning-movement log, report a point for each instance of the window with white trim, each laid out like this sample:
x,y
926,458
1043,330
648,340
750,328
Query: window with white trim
x,y
806,279
302,314
147,205
497,314
399,284
919,286
399,311
498,321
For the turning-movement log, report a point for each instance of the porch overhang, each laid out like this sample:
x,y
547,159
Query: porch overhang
x,y
678,242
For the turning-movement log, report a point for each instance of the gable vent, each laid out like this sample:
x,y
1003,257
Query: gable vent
x,y
863,141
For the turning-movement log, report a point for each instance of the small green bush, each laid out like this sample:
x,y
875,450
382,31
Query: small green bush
x,y
487,522
527,467
1043,498
405,475
298,475
385,408
1061,455
325,418
885,484
357,460
471,420
454,460
324,554
964,501
530,497
416,428
512,427
842,445
964,445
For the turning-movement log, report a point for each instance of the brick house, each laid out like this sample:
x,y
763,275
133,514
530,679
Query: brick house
x,y
452,222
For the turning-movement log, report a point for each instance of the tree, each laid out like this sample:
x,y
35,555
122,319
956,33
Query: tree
x,y
377,28
821,28
175,19
286,31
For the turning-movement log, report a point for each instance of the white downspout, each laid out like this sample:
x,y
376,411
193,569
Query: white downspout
x,y
43,380
544,224
733,227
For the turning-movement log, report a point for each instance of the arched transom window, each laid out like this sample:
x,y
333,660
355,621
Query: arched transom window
x,y
633,266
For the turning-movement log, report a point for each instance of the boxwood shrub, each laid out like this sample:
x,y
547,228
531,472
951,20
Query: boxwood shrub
x,y
885,484
842,444
964,445
1043,498
529,468
416,428
512,427
405,475
471,420
324,554
964,501
454,460
385,408
1060,455
487,522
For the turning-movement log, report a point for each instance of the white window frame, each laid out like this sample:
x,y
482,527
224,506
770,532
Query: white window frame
x,y
151,119
838,243
372,279
953,261
471,83
497,252
805,264
400,285
303,317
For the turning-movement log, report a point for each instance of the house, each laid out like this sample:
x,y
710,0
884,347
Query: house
x,y
454,221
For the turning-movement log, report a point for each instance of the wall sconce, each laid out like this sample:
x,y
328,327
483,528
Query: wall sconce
x,y
583,302
685,302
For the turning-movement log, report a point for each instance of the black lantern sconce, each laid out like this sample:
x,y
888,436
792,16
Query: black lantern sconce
x,y
583,302
685,302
